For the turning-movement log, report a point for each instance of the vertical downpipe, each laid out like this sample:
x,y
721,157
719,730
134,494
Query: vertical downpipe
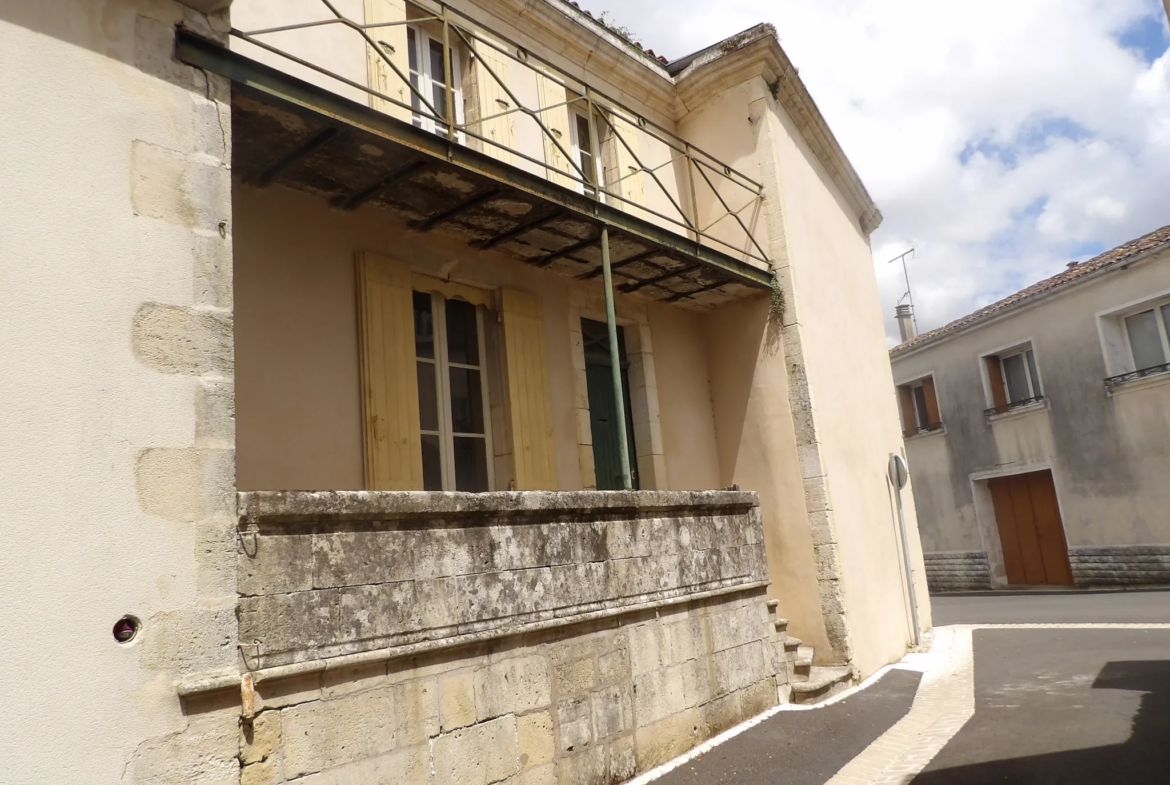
x,y
615,361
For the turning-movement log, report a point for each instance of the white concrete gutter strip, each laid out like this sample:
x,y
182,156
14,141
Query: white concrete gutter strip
x,y
912,662
225,681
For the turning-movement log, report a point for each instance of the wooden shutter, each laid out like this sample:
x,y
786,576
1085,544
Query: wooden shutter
x,y
995,379
556,120
389,375
487,97
622,172
381,76
906,403
529,393
931,401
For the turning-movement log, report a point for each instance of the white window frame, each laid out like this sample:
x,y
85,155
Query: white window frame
x,y
575,113
1034,387
427,80
443,365
1114,335
1163,331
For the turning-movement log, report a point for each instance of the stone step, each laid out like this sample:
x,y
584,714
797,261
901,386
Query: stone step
x,y
781,625
822,683
805,652
792,643
773,605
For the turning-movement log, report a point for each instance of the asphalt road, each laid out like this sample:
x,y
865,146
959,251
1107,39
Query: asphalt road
x,y
1063,707
1114,607
804,747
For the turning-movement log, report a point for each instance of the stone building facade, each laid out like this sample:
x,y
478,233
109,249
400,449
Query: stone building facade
x,y
1036,430
315,390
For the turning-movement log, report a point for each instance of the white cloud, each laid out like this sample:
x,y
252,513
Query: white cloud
x,y
1002,138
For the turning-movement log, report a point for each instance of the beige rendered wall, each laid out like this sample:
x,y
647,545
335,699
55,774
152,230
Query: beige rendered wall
x,y
835,298
1107,453
299,420
840,558
117,456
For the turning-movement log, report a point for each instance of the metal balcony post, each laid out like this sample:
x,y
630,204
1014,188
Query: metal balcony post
x,y
448,76
615,359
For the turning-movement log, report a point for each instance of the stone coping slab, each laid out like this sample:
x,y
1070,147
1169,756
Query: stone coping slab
x,y
299,506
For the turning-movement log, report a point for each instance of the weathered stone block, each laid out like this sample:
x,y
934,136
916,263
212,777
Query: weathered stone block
x,y
739,667
260,738
261,773
479,755
410,766
670,737
575,677
658,694
183,190
587,767
289,623
457,701
623,762
697,681
574,723
324,734
612,711
649,648
515,686
613,666
686,640
355,558
274,565
178,340
537,743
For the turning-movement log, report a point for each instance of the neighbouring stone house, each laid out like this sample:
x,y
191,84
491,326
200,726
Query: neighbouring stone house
x,y
416,393
1036,429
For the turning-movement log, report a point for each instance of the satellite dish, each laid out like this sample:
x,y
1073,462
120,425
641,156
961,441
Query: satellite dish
x,y
899,472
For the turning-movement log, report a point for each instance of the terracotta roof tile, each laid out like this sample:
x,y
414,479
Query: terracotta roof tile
x,y
1075,272
619,33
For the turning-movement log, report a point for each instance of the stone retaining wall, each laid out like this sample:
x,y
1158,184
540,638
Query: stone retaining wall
x,y
581,638
1121,565
957,571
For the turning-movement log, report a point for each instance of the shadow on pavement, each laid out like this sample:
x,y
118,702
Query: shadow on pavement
x,y
1143,758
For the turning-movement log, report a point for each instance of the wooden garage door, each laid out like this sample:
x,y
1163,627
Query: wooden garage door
x,y
1034,548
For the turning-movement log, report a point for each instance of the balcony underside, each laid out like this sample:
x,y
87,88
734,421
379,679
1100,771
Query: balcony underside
x,y
287,131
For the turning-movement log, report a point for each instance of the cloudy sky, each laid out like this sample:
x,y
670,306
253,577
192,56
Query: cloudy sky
x,y
1001,139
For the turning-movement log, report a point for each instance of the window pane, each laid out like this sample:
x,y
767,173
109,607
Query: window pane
x,y
1144,340
424,326
1036,392
462,333
438,80
920,407
415,80
585,147
466,401
428,397
1017,379
432,464
471,465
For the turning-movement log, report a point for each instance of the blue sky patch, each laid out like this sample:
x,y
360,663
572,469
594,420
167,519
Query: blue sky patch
x,y
1033,136
1149,37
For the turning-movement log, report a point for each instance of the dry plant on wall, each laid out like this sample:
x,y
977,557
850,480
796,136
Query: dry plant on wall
x,y
776,306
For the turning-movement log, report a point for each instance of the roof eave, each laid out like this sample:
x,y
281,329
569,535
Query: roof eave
x,y
757,52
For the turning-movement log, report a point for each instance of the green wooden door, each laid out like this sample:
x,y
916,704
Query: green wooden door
x,y
602,411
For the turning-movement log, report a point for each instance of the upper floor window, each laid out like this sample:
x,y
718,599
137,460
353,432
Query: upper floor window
x,y
919,406
584,150
425,55
1148,337
452,397
1013,378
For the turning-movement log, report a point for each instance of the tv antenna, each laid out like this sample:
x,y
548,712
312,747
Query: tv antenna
x,y
906,273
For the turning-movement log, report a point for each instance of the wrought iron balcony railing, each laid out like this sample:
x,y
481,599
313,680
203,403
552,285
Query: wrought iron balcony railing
x,y
691,192
1117,381
1008,407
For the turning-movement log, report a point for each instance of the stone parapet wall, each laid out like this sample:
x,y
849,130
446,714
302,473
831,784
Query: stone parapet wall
x,y
957,571
324,575
596,702
1120,565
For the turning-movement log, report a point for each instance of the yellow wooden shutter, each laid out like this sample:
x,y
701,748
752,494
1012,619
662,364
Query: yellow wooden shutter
x,y
556,120
491,99
381,76
623,175
529,393
390,414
